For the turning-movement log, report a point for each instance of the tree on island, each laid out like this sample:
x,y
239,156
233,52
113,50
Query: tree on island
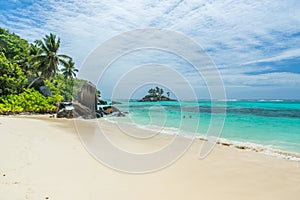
x,y
152,92
156,94
159,92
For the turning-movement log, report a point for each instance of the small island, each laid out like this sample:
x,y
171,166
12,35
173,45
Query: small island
x,y
156,94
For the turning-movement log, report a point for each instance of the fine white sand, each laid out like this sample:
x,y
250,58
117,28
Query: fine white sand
x,y
43,158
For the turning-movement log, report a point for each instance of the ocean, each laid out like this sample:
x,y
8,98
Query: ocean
x,y
262,125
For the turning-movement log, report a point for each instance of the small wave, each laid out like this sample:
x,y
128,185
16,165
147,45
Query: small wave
x,y
260,149
248,146
110,119
270,100
163,130
277,100
225,100
232,100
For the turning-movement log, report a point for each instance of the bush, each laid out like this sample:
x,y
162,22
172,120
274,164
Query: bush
x,y
12,78
29,101
68,88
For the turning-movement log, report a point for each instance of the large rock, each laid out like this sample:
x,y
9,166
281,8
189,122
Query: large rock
x,y
45,90
83,111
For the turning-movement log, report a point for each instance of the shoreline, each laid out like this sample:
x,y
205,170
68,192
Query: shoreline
x,y
44,157
247,146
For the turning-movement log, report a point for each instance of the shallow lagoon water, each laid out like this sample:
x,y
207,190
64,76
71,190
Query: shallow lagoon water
x,y
272,123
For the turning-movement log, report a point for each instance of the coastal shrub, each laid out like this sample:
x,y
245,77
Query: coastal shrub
x,y
28,101
21,61
13,46
12,78
68,88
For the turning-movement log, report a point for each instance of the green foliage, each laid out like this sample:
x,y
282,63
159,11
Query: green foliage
x,y
155,92
98,94
69,70
28,101
68,88
77,86
13,46
12,78
168,93
47,58
20,61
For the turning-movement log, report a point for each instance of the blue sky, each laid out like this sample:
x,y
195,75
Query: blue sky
x,y
254,44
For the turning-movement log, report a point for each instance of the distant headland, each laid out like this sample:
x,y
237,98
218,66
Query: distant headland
x,y
156,94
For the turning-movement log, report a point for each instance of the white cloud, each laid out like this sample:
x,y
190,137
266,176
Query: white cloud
x,y
234,33
289,54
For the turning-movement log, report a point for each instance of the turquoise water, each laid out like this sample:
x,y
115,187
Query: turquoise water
x,y
275,124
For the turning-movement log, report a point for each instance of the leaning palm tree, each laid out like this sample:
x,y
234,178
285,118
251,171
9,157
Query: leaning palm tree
x,y
33,63
69,70
47,57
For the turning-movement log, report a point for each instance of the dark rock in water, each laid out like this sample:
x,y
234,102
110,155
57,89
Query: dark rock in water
x,y
115,102
45,90
118,114
107,110
99,113
114,109
102,102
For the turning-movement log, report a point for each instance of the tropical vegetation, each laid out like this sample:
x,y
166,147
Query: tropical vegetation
x,y
156,94
34,77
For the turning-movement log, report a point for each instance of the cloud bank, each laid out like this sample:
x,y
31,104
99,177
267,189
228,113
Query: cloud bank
x,y
253,43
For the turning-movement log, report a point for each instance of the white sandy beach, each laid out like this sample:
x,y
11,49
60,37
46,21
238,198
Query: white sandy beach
x,y
43,158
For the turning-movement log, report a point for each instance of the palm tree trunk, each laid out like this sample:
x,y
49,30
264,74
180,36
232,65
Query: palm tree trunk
x,y
33,82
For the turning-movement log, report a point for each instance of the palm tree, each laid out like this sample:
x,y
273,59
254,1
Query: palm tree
x,y
160,93
32,64
168,93
47,56
152,92
69,70
157,90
